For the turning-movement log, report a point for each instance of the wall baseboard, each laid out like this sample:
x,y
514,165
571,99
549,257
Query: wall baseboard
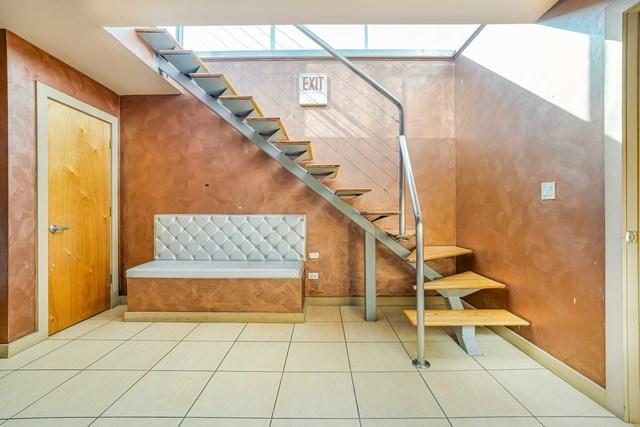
x,y
389,300
212,317
583,384
21,344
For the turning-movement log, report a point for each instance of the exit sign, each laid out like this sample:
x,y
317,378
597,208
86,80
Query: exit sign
x,y
313,89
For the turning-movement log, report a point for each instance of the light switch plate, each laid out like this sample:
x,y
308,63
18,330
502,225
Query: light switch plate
x,y
314,255
548,190
314,276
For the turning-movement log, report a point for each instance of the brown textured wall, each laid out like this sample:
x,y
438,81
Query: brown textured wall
x,y
26,65
220,172
358,127
509,140
4,240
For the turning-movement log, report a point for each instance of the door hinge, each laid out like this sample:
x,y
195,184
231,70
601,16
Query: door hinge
x,y
631,236
110,211
110,280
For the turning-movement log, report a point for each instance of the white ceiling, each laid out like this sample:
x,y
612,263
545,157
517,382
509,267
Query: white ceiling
x,y
73,30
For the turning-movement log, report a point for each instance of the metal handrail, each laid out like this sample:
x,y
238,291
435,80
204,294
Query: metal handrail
x,y
402,227
405,172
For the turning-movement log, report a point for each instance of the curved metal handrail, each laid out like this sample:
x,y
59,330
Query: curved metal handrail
x,y
406,172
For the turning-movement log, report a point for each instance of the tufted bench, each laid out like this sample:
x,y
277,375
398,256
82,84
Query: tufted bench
x,y
222,263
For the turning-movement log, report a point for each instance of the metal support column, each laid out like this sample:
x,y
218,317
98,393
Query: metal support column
x,y
466,335
369,277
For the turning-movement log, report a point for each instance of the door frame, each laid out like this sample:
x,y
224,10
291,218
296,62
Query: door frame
x,y
43,94
631,144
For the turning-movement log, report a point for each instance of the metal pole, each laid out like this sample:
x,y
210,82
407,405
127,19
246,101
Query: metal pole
x,y
369,277
420,361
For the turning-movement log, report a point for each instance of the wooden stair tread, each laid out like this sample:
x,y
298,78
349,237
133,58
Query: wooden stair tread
x,y
300,150
393,231
157,38
439,252
374,215
186,61
490,317
269,127
215,84
466,280
324,171
241,105
351,192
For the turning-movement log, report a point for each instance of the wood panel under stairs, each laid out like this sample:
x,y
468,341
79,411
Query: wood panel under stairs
x,y
466,280
492,317
432,253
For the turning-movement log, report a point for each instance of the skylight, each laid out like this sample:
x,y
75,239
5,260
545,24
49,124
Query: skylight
x,y
433,41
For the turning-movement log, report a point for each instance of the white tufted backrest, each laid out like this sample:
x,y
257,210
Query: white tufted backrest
x,y
230,237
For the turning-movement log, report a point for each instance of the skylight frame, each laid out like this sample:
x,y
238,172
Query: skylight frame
x,y
274,53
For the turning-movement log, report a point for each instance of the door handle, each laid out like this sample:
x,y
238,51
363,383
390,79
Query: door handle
x,y
55,228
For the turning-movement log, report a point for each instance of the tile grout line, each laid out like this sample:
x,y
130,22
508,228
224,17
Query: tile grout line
x,y
353,383
417,371
79,371
215,371
146,373
275,402
68,341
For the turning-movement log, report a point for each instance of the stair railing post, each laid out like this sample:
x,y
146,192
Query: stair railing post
x,y
420,361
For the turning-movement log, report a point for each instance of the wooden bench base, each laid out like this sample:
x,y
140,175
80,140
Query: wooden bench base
x,y
215,295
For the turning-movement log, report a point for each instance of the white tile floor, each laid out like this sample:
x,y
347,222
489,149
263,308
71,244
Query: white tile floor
x,y
334,370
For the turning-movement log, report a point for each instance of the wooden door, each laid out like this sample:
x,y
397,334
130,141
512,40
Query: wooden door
x,y
79,198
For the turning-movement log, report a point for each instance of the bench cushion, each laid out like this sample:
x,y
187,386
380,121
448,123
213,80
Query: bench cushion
x,y
219,270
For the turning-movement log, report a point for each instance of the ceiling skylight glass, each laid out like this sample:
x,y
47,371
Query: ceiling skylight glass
x,y
440,41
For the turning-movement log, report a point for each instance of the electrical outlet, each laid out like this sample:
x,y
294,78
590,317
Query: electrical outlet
x,y
314,255
548,190
314,276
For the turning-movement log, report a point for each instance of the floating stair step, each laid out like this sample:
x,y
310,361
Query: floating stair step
x,y
157,38
185,61
492,317
393,232
322,171
241,106
374,216
215,84
439,252
351,192
299,150
466,280
269,127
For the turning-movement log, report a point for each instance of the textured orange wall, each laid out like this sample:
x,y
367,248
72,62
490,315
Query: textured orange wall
x,y
4,238
26,65
509,140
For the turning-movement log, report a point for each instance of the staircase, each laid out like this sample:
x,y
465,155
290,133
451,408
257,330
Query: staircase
x,y
269,133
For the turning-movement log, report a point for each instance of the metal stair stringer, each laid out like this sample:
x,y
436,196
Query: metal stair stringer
x,y
290,165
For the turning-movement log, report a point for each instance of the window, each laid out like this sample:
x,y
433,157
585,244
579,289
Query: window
x,y
352,40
